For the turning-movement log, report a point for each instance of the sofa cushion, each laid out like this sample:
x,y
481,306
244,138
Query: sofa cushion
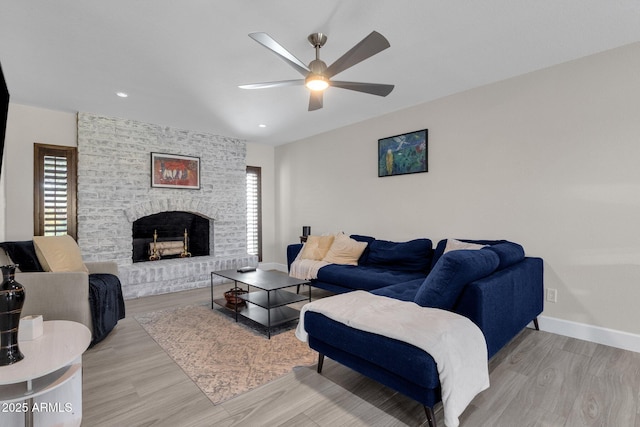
x,y
23,253
414,255
59,253
442,244
344,250
365,278
361,238
316,247
365,254
405,291
508,252
457,245
451,273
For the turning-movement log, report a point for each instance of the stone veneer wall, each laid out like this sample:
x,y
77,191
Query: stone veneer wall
x,y
114,189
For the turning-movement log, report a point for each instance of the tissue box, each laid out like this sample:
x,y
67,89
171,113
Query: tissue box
x,y
30,328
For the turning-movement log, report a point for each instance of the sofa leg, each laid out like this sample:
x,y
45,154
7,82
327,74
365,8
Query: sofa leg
x,y
431,418
535,323
320,362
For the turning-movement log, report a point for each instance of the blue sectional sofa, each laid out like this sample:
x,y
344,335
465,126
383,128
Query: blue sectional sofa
x,y
382,263
497,287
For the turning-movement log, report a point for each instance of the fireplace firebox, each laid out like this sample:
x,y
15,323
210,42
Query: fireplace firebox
x,y
170,229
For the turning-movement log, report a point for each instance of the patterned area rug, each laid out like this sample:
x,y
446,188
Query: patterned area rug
x,y
222,357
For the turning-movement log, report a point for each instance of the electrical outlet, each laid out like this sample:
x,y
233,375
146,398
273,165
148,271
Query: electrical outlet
x,y
552,295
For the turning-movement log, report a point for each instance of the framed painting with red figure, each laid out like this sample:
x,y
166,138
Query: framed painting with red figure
x,y
175,171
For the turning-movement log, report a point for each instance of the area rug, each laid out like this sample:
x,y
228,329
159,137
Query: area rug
x,y
222,357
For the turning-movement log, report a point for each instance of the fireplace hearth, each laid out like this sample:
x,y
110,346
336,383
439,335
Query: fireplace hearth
x,y
171,229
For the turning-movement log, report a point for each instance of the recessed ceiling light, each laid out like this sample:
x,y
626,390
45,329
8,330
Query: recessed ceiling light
x,y
262,125
122,94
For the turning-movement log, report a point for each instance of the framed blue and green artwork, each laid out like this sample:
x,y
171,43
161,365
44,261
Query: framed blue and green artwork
x,y
403,154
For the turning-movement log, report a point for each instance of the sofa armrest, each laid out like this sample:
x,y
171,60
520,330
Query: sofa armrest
x,y
503,303
57,296
105,267
292,252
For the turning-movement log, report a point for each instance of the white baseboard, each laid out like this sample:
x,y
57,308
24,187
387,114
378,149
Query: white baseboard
x,y
596,334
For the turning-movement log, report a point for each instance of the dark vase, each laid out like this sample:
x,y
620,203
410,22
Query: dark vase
x,y
11,302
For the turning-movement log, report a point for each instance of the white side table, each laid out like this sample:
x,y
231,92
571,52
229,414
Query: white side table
x,y
45,388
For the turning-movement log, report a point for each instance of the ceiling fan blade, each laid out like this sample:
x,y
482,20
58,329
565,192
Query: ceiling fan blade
x,y
369,46
267,41
266,85
371,88
315,100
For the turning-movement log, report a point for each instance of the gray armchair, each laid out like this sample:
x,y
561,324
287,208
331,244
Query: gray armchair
x,y
63,295
59,295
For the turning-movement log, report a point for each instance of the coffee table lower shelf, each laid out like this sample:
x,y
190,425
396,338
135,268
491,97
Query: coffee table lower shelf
x,y
279,315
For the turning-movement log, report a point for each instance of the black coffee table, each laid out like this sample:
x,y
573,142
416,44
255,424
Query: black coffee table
x,y
268,305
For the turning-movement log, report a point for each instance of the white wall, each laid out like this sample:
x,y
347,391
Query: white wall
x,y
26,126
548,159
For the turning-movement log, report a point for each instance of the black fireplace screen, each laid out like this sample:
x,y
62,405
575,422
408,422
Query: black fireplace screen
x,y
170,227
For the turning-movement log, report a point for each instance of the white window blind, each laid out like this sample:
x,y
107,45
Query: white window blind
x,y
54,193
254,238
55,188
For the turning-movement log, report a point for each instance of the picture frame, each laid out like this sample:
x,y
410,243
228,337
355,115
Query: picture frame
x,y
175,171
403,154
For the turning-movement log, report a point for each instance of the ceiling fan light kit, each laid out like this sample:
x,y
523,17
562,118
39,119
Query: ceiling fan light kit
x,y
316,82
317,76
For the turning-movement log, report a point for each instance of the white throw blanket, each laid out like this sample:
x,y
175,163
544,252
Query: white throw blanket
x,y
455,342
306,269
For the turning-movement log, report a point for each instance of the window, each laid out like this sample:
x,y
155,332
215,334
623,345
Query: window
x,y
54,195
254,212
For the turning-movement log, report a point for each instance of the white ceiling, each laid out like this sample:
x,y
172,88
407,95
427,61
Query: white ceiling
x,y
181,61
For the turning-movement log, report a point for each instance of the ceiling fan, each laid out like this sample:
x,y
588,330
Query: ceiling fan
x,y
317,76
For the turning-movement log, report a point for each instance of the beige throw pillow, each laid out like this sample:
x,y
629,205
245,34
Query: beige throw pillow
x,y
456,245
316,247
59,253
345,250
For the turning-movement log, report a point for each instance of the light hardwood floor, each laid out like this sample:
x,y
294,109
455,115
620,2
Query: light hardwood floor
x,y
539,379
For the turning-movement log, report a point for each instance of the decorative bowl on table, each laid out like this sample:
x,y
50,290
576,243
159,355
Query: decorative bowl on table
x,y
232,297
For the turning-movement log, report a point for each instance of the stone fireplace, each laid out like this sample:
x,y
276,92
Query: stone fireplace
x,y
114,192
